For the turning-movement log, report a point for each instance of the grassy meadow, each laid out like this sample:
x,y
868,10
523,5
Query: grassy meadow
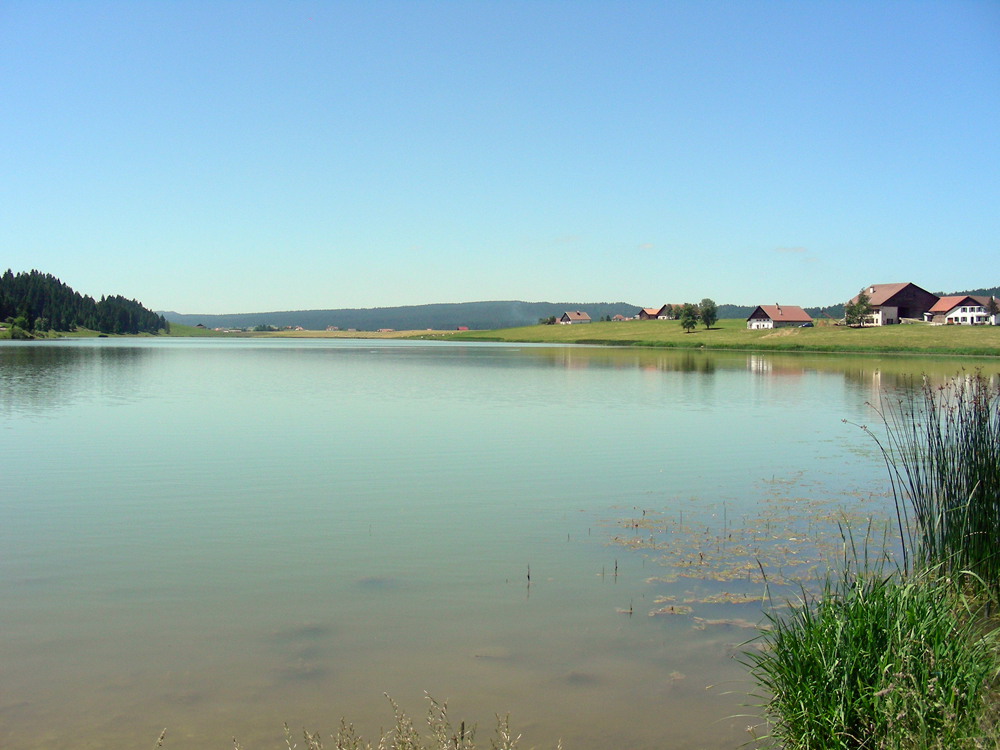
x,y
350,334
733,334
726,334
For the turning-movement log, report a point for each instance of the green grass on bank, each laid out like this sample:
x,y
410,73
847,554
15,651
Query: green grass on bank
x,y
5,333
733,334
176,331
179,331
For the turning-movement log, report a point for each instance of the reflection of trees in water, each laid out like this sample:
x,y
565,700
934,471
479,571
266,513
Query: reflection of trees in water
x,y
870,371
39,377
43,375
879,381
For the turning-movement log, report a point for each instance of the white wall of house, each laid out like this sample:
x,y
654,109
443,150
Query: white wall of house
x,y
969,315
755,324
885,316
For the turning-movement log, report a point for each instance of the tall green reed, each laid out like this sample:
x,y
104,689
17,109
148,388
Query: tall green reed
x,y
942,449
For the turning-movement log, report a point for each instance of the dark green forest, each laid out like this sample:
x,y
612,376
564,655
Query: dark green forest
x,y
37,302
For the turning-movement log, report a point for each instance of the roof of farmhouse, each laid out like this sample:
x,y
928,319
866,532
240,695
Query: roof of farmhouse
x,y
945,304
879,294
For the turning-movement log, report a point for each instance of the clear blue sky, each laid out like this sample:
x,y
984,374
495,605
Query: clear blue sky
x,y
231,157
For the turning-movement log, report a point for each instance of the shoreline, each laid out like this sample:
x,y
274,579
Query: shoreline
x,y
732,335
725,336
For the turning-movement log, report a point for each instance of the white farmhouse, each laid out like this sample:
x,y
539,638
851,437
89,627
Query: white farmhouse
x,y
962,310
569,318
777,316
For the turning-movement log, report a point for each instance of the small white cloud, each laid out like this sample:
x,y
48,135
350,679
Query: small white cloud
x,y
790,250
646,246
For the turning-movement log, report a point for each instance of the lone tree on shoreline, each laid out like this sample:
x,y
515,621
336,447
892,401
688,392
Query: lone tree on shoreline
x,y
857,312
689,318
708,312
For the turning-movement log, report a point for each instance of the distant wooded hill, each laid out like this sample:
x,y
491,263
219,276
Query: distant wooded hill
x,y
441,317
38,301
993,291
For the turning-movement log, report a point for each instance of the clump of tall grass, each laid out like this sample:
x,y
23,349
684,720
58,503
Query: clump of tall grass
x,y
942,449
878,660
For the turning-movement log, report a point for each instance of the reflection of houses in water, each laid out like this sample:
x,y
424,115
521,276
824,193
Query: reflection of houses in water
x,y
876,385
573,359
762,364
759,365
869,375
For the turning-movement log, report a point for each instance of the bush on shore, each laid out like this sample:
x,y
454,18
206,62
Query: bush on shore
x,y
879,661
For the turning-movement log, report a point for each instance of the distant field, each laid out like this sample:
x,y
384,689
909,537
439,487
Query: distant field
x,y
733,334
176,329
726,334
180,330
350,334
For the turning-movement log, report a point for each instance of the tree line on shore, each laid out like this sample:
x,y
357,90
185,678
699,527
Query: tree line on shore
x,y
34,302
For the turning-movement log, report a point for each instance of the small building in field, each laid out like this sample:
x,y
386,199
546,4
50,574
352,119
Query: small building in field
x,y
202,327
962,310
570,318
619,318
385,330
649,313
460,328
332,328
891,303
777,316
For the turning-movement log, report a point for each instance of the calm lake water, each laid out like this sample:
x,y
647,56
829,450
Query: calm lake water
x,y
222,536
